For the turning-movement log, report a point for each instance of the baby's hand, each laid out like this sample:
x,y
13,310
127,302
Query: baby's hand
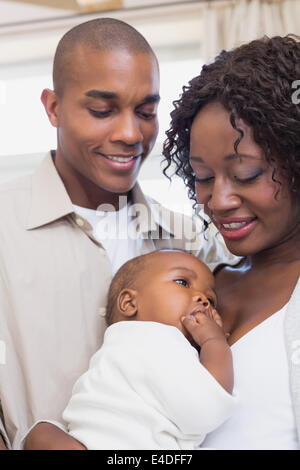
x,y
204,326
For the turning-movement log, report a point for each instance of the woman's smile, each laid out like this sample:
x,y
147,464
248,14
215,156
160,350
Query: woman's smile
x,y
235,228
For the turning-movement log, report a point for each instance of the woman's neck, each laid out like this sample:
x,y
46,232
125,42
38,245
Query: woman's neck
x,y
285,252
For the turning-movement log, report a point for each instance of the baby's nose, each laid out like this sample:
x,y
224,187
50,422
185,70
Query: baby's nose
x,y
202,299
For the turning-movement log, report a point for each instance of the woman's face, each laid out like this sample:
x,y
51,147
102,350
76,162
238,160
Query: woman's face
x,y
237,190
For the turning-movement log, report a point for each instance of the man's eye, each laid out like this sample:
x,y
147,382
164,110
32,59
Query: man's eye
x,y
183,282
147,116
99,114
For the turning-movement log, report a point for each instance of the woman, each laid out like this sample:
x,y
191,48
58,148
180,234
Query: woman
x,y
235,140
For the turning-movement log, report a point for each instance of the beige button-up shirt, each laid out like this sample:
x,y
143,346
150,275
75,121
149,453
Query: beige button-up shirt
x,y
54,278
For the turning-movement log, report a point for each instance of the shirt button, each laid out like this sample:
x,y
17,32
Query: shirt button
x,y
102,311
79,221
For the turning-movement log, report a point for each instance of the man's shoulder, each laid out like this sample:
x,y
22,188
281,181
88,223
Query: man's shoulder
x,y
15,195
15,186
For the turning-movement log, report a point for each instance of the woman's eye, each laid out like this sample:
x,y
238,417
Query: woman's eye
x,y
182,282
204,180
249,179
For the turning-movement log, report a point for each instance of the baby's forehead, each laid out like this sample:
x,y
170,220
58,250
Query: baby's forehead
x,y
169,260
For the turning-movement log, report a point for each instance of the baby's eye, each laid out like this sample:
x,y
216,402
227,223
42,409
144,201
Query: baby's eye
x,y
183,282
212,302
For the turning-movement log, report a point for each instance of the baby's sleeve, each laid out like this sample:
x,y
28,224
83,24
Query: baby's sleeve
x,y
184,389
146,363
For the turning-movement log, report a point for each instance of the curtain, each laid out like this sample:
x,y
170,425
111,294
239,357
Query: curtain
x,y
230,23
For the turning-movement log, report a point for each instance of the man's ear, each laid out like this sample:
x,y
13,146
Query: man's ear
x,y
50,101
127,302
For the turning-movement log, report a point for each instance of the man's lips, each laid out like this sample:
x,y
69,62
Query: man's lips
x,y
120,161
235,228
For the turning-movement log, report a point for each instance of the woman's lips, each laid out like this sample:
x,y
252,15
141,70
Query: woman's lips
x,y
237,228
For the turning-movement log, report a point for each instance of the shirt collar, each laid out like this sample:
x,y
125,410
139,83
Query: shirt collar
x,y
50,201
49,198
153,215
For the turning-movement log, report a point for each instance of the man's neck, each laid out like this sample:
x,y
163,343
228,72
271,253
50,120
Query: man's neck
x,y
83,192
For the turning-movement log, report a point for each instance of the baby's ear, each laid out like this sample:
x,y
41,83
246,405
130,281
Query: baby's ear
x,y
127,302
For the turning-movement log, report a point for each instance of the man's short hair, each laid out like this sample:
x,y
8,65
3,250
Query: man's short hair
x,y
101,34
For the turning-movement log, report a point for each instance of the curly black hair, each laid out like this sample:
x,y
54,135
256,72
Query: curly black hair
x,y
253,82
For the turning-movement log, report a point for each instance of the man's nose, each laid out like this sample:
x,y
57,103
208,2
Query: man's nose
x,y
201,299
223,197
127,129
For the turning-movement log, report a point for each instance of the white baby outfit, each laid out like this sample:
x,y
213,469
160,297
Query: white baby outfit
x,y
146,389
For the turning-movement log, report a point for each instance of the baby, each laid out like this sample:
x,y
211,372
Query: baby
x,y
148,387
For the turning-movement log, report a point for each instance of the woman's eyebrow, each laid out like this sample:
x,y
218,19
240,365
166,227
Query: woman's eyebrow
x,y
233,156
228,157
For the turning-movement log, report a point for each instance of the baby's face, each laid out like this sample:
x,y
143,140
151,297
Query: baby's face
x,y
174,284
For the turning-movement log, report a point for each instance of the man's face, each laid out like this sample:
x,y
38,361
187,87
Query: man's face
x,y
107,117
174,284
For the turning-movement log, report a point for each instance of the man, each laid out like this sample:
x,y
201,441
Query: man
x,y
54,269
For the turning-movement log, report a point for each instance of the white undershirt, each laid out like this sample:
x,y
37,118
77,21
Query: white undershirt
x,y
111,230
263,418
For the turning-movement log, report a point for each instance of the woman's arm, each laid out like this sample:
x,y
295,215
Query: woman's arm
x,y
46,436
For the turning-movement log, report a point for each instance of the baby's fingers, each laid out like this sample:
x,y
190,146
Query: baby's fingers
x,y
217,318
192,326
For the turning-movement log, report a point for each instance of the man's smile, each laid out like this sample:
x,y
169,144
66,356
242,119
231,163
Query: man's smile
x,y
120,162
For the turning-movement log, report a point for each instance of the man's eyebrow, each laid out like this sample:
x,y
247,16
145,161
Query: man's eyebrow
x,y
109,95
150,99
231,156
101,94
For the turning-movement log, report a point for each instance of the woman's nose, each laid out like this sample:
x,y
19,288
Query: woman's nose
x,y
223,197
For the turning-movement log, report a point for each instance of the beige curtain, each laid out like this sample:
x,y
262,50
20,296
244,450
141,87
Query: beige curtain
x,y
229,23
